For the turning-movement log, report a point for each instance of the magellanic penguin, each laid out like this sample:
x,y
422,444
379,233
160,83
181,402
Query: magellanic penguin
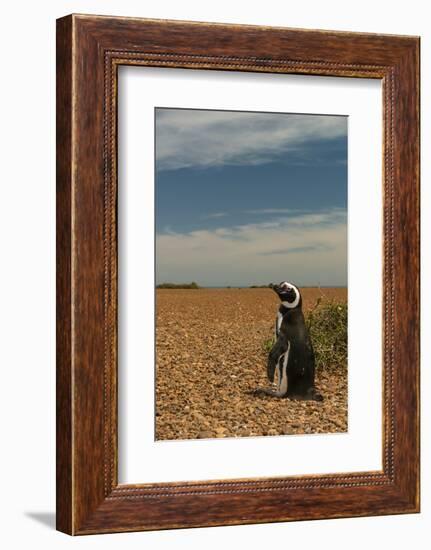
x,y
292,353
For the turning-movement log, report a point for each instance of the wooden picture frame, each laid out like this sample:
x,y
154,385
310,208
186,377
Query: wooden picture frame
x,y
89,51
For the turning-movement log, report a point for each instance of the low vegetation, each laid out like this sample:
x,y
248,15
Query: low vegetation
x,y
327,324
188,286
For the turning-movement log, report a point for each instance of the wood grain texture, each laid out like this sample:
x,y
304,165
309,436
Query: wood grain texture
x,y
90,49
64,497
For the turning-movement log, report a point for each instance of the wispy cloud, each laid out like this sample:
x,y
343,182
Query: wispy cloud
x,y
214,215
310,249
274,213
297,250
197,138
266,211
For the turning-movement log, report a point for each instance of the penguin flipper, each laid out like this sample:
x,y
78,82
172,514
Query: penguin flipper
x,y
277,350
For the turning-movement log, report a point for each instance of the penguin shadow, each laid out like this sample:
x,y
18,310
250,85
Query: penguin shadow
x,y
264,394
270,393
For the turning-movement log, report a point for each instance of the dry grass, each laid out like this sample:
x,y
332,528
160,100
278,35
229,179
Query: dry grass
x,y
210,355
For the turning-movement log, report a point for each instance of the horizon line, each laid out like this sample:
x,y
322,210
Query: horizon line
x,y
243,286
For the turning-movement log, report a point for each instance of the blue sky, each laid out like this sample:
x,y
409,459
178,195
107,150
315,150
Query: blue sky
x,y
250,198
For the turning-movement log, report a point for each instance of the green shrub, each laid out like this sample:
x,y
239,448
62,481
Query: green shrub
x,y
268,343
327,324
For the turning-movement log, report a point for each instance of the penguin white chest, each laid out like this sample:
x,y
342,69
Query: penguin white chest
x,y
279,321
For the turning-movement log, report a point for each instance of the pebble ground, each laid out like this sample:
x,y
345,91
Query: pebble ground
x,y
210,358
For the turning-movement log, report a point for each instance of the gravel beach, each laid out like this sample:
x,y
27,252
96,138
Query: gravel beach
x,y
210,356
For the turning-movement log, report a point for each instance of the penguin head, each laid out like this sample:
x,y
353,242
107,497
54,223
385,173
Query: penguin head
x,y
288,294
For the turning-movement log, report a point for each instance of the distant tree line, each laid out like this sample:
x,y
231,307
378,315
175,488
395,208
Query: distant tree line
x,y
191,285
194,285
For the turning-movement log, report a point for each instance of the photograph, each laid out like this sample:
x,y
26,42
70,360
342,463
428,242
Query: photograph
x,y
251,273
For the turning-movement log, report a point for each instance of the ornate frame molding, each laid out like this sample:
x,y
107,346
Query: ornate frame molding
x,y
90,49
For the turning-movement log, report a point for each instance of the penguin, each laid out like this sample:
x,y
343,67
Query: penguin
x,y
292,354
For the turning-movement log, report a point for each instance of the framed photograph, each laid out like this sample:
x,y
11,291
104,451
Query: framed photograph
x,y
237,274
